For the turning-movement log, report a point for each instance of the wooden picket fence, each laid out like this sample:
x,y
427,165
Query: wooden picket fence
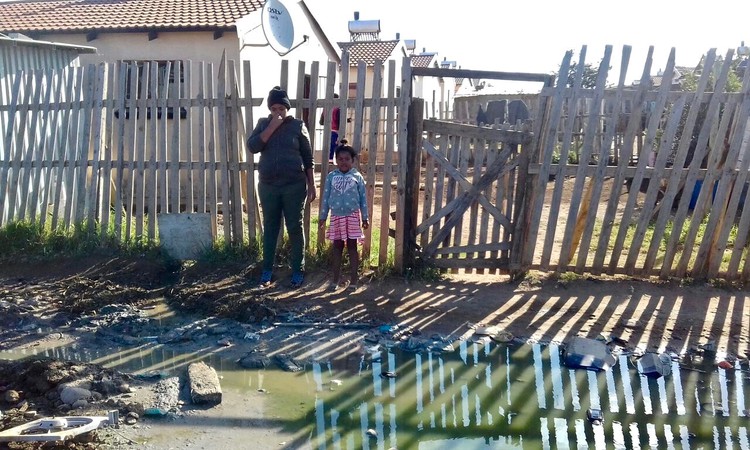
x,y
683,156
656,188
113,145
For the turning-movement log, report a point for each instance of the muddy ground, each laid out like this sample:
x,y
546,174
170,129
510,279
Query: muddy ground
x,y
115,302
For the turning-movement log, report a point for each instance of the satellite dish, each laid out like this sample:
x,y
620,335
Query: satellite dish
x,y
277,26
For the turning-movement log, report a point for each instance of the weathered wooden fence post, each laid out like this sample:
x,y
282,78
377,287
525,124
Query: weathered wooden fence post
x,y
413,179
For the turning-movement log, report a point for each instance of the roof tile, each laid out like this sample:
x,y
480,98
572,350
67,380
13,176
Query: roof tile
x,y
41,16
369,51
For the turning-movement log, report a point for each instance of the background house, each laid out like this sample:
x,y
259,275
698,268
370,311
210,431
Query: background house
x,y
159,30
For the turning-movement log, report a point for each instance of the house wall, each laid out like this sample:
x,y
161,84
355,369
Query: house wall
x,y
113,47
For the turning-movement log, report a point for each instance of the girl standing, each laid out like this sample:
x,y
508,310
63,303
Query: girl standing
x,y
344,196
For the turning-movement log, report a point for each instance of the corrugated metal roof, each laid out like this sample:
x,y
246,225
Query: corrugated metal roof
x,y
369,51
44,16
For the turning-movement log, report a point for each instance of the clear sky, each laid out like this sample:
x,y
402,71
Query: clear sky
x,y
533,35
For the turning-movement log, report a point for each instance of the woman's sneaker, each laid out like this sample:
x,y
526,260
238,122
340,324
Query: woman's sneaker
x,y
297,279
265,277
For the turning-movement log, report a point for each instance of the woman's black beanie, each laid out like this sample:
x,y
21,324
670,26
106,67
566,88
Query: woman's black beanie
x,y
278,96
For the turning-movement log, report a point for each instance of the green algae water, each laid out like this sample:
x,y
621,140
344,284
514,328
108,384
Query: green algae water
x,y
478,396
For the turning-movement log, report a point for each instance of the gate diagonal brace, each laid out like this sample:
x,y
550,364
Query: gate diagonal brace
x,y
466,185
466,199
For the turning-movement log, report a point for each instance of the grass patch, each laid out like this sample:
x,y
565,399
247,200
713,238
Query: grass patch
x,y
26,241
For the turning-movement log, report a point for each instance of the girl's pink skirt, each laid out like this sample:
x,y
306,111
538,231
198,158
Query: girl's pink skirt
x,y
342,228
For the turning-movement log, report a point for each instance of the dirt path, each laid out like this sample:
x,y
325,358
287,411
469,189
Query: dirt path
x,y
99,303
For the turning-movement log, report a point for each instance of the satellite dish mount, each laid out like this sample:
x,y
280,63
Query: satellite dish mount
x,y
278,27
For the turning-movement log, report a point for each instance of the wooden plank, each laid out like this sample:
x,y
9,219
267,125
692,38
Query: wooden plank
x,y
546,139
251,201
643,158
45,184
129,155
372,145
678,219
311,121
108,187
705,203
189,148
429,190
122,71
385,199
598,177
211,136
325,149
402,142
233,148
5,164
474,132
651,200
743,227
444,146
173,169
97,142
359,108
37,210
200,187
498,190
413,172
492,75
463,167
459,263
474,248
82,147
579,201
151,175
730,187
634,122
31,144
223,150
16,151
140,117
162,150
474,220
73,142
559,185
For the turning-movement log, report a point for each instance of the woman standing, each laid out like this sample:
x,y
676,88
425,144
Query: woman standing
x,y
286,180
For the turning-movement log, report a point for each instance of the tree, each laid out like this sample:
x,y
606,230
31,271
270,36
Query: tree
x,y
590,73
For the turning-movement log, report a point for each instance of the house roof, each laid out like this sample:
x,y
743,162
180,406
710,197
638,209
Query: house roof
x,y
45,16
369,51
422,60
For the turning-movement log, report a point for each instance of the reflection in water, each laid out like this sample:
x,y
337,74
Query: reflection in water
x,y
482,396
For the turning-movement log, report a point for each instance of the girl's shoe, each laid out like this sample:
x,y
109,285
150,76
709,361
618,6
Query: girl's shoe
x,y
297,279
265,277
332,286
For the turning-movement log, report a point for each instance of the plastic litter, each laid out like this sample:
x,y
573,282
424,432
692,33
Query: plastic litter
x,y
49,429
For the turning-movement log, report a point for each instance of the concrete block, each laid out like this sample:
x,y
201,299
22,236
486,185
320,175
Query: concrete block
x,y
204,384
185,236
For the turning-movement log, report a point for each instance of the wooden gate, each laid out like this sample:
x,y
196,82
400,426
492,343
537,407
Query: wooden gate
x,y
467,179
470,195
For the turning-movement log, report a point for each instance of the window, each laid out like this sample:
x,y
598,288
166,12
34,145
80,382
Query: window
x,y
167,71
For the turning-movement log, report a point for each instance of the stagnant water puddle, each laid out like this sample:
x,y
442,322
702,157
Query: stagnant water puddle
x,y
481,395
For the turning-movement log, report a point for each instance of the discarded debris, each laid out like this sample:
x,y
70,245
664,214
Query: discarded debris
x,y
655,365
595,416
726,365
49,429
502,336
287,363
588,354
